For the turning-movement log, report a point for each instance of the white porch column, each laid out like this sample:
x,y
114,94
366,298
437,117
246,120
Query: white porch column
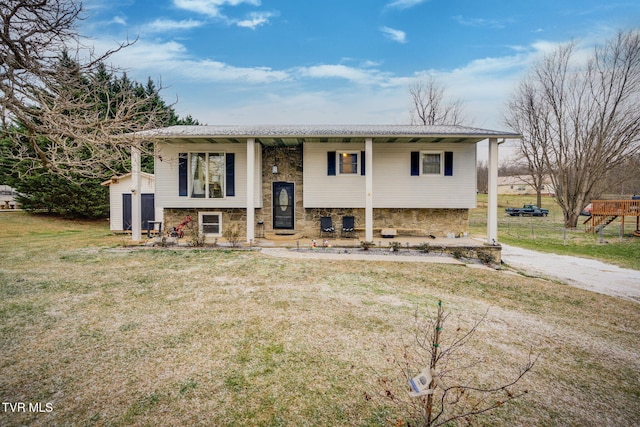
x,y
136,199
492,202
368,210
251,166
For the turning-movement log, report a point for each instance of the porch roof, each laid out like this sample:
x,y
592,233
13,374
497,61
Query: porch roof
x,y
284,135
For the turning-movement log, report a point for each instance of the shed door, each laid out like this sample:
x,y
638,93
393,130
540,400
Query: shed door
x,y
148,212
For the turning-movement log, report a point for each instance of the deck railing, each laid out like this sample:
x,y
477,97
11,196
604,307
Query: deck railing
x,y
616,207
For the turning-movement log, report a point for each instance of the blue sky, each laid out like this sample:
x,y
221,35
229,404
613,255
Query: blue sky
x,y
341,61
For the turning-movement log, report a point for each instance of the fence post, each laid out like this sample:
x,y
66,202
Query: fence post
x,y
564,235
600,233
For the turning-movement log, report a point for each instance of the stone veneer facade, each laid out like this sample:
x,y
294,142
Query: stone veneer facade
x,y
407,222
230,218
289,163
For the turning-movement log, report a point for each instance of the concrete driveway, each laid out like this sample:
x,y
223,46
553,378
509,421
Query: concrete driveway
x,y
583,273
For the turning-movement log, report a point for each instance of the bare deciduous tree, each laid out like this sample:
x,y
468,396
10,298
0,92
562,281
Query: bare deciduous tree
x,y
525,117
482,177
48,108
429,106
583,118
624,179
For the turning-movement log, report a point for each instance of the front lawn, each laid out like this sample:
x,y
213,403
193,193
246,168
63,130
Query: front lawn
x,y
107,335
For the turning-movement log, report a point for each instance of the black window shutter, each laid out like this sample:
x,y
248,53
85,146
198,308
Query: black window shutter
x,y
362,163
331,163
183,161
230,174
415,163
448,163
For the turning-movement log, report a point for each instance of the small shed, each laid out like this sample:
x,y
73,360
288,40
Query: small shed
x,y
120,201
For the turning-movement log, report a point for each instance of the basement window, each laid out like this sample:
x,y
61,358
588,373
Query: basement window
x,y
210,223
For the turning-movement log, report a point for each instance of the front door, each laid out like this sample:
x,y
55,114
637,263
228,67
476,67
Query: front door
x,y
283,205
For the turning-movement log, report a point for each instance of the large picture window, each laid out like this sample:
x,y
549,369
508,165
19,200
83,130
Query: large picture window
x,y
207,175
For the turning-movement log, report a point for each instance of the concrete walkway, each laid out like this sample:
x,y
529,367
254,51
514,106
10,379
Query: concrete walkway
x,y
583,273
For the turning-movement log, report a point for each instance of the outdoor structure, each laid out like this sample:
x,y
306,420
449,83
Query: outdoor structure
x,y
604,212
272,180
7,197
120,201
521,185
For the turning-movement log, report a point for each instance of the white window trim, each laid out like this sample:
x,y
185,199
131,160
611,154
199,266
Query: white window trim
x,y
200,224
441,153
358,160
190,175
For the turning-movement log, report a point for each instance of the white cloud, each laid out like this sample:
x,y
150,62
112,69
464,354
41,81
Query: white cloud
x,y
483,22
214,9
119,20
256,19
404,4
162,25
371,64
211,8
308,107
216,71
339,71
395,35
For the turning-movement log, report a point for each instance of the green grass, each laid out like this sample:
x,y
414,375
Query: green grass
x,y
548,234
120,336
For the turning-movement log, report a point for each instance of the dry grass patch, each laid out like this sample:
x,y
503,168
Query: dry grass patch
x,y
115,336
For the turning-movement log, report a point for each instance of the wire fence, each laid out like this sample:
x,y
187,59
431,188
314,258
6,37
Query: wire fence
x,y
551,229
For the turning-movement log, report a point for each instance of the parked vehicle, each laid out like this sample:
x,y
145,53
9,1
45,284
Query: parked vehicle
x,y
527,210
587,210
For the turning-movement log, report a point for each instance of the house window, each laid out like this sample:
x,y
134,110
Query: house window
x,y
207,175
210,223
431,163
348,162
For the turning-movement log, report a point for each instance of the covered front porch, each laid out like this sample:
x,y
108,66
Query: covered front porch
x,y
256,197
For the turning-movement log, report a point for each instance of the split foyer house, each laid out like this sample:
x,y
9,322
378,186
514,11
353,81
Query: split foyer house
x,y
269,180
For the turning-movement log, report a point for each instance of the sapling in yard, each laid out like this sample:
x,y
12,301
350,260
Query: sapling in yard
x,y
440,374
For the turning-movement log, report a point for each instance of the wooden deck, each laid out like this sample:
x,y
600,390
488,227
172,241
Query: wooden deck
x,y
604,212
